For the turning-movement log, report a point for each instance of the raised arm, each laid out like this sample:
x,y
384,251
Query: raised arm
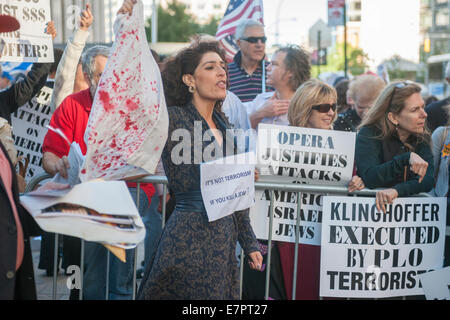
x,y
65,74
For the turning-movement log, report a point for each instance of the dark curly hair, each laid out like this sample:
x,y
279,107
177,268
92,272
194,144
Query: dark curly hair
x,y
185,62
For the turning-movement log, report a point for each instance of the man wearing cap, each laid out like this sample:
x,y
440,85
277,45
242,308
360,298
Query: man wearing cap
x,y
16,225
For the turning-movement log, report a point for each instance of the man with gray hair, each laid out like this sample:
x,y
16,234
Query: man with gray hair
x,y
437,114
247,71
73,114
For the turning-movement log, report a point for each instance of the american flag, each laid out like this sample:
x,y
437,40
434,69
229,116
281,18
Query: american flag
x,y
236,11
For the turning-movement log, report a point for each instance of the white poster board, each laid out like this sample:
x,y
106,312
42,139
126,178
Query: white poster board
x,y
30,43
228,185
369,254
436,284
29,126
299,155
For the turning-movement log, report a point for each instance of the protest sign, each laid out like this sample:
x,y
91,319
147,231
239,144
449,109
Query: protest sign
x,y
302,156
285,216
30,43
307,155
369,254
228,185
29,124
436,284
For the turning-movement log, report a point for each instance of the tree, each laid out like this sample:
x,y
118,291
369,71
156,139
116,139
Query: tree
x,y
177,25
357,60
210,27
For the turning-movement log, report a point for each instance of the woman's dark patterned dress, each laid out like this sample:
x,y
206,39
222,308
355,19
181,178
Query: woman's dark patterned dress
x,y
195,258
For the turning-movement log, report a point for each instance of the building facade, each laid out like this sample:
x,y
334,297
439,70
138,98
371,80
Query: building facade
x,y
434,27
66,12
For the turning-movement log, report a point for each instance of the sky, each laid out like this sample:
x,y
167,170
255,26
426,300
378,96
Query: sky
x,y
293,17
389,27
384,32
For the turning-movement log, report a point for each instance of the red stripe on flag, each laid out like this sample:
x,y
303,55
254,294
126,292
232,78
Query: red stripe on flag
x,y
239,15
232,29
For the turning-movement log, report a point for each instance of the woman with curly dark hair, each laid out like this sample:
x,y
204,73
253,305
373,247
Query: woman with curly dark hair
x,y
195,258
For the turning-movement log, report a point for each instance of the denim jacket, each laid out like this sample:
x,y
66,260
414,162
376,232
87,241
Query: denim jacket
x,y
441,150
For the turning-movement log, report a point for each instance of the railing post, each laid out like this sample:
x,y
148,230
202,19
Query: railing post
x,y
297,240
163,206
107,275
55,266
241,273
135,251
269,246
81,269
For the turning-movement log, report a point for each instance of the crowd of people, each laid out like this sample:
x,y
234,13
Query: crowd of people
x,y
398,150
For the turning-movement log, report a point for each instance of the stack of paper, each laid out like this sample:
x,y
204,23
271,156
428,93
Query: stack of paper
x,y
101,211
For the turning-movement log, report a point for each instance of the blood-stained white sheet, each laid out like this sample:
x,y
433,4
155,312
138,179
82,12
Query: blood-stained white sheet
x,y
128,124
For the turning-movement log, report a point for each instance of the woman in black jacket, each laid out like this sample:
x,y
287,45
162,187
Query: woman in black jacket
x,y
17,225
393,145
16,264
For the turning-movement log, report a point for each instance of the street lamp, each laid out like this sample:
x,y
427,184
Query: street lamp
x,y
154,22
277,29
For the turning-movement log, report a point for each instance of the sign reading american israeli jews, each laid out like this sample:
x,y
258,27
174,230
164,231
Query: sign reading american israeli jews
x,y
30,43
29,126
371,254
228,185
299,156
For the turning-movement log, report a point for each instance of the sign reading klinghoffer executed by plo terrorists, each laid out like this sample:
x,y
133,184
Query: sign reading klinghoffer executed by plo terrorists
x,y
305,156
29,126
30,43
371,254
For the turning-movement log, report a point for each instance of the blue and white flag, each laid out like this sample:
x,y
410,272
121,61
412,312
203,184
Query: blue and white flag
x,y
14,70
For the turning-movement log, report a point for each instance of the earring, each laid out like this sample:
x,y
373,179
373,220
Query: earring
x,y
191,89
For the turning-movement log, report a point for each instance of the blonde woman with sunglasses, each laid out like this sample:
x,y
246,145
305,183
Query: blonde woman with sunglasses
x,y
312,106
393,145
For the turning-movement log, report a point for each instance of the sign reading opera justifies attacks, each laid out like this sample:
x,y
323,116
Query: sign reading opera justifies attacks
x,y
371,254
306,155
302,156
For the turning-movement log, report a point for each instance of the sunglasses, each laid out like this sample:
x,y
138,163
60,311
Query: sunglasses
x,y
399,85
255,39
324,108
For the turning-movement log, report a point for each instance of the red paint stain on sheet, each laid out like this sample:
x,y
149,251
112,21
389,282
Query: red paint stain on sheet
x,y
104,98
113,144
116,75
131,105
128,124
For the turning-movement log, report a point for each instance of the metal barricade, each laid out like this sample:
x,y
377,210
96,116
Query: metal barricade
x,y
260,185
